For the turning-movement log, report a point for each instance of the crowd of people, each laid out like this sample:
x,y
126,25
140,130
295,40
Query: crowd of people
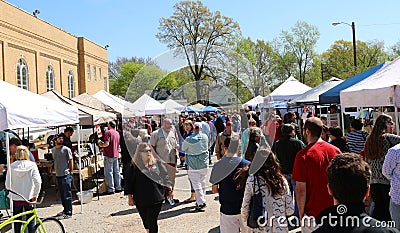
x,y
302,170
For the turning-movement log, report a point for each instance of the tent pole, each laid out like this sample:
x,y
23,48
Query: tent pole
x,y
9,173
396,116
95,164
80,165
342,118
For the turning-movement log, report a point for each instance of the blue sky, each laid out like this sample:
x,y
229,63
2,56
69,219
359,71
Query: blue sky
x,y
129,27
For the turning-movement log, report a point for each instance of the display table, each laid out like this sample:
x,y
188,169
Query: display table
x,y
88,171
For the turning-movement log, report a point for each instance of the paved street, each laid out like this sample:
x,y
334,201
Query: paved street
x,y
112,213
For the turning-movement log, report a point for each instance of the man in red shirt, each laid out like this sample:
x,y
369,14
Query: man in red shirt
x,y
309,172
111,154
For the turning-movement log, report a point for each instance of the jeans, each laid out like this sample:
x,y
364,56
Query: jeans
x,y
292,185
395,213
17,209
380,196
64,189
111,174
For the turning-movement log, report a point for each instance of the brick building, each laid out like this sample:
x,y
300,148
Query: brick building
x,y
39,57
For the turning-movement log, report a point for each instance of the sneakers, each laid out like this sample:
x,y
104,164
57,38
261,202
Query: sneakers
x,y
60,214
200,207
64,216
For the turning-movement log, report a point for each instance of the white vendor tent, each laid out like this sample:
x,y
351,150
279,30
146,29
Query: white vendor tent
x,y
380,89
172,107
119,105
95,116
20,108
91,101
149,105
312,96
288,90
256,101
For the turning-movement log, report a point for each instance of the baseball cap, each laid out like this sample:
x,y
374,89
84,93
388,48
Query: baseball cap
x,y
57,136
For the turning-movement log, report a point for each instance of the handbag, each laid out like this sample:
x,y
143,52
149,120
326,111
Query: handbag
x,y
256,216
4,200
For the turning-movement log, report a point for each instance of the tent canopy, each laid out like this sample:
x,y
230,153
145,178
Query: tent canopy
x,y
87,116
256,101
93,102
119,105
332,96
20,108
209,109
191,109
380,89
288,90
312,96
150,105
198,106
171,106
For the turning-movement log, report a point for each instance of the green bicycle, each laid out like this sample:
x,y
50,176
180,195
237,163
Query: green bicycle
x,y
43,225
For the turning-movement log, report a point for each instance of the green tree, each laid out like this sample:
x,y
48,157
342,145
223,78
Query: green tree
x,y
146,79
123,77
338,62
258,64
195,32
394,51
299,44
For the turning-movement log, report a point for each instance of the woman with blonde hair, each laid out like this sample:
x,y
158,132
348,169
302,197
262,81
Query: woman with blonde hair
x,y
25,180
145,186
377,145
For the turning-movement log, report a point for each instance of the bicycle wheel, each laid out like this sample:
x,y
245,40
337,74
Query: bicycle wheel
x,y
50,225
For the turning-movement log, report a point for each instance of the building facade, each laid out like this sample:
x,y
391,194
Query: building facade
x,y
39,57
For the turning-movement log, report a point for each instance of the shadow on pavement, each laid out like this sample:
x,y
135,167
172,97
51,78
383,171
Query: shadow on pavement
x,y
124,212
214,230
174,213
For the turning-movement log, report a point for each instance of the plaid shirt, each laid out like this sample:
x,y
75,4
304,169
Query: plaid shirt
x,y
391,169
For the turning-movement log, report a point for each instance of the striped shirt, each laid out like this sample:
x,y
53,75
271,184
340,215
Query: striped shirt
x,y
356,141
391,169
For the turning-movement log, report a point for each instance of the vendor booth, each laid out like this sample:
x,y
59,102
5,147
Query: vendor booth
x,y
149,105
332,96
20,108
378,90
118,104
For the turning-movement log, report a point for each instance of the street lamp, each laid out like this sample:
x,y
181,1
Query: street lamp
x,y
353,29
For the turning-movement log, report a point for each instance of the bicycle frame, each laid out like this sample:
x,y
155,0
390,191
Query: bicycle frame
x,y
13,219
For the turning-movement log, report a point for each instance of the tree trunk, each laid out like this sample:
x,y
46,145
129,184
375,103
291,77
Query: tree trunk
x,y
198,94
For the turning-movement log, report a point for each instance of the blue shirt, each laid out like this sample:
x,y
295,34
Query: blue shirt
x,y
222,174
391,169
196,148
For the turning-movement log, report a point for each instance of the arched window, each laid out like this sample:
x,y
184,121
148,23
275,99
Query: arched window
x,y
71,85
50,78
94,74
22,74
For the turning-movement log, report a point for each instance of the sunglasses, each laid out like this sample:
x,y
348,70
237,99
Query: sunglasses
x,y
390,122
146,150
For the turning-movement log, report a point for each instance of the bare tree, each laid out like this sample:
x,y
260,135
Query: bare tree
x,y
195,32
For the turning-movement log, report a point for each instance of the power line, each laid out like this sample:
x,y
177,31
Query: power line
x,y
377,24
